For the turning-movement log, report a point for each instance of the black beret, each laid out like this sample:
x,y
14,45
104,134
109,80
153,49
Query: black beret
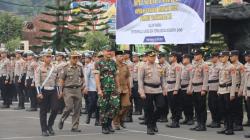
x,y
234,52
186,56
197,52
119,53
224,53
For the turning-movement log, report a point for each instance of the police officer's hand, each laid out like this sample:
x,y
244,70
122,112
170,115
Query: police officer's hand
x,y
232,98
19,81
6,82
143,96
100,93
203,93
40,96
165,93
10,82
25,84
32,85
85,91
175,92
60,95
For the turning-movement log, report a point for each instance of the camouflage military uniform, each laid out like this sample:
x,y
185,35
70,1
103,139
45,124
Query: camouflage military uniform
x,y
110,102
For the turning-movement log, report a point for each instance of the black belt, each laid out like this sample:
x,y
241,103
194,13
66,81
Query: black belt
x,y
72,87
184,86
213,81
197,84
225,85
248,88
152,85
171,82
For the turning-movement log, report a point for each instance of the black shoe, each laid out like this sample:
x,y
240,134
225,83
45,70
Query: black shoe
x,y
155,129
45,134
31,109
229,132
5,106
76,130
87,119
184,122
51,131
141,118
105,129
215,125
247,136
201,128
221,131
60,124
194,128
110,128
19,108
174,125
238,128
137,113
123,125
142,123
190,122
150,131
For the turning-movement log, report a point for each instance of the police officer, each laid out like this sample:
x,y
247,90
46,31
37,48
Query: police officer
x,y
45,81
187,98
107,82
125,90
165,67
4,78
213,85
20,79
71,84
237,103
227,86
135,95
152,89
246,88
90,89
30,80
199,88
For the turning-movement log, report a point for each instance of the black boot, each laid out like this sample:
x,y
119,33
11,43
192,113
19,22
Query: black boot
x,y
229,132
150,131
88,118
202,128
196,127
105,129
110,128
155,128
174,124
51,131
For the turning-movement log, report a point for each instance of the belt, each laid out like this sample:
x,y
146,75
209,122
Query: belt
x,y
152,85
213,81
49,88
225,85
248,88
171,82
135,81
184,86
197,84
72,87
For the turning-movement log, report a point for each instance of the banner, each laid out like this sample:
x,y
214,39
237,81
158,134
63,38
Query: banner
x,y
160,21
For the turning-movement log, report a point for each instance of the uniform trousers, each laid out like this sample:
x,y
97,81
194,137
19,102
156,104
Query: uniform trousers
x,y
6,96
136,98
200,106
92,107
175,105
237,108
213,104
187,104
20,90
31,90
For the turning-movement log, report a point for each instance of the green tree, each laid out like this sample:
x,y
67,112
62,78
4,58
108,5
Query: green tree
x,y
13,44
10,27
96,40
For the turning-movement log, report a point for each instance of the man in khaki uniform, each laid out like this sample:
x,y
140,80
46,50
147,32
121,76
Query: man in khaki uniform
x,y
124,86
173,87
151,89
45,81
213,85
187,99
246,88
199,88
71,83
237,105
227,87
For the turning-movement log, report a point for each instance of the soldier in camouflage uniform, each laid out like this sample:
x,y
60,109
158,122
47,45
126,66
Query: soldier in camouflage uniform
x,y
106,82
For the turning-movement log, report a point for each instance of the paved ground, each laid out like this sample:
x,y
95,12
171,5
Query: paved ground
x,y
22,125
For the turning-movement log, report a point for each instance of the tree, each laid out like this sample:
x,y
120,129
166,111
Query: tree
x,y
96,40
66,32
13,44
10,27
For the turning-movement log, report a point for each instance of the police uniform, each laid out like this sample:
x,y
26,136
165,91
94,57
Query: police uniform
x,y
187,100
4,79
125,92
45,81
20,80
30,82
151,85
227,87
72,80
213,86
174,85
237,103
199,84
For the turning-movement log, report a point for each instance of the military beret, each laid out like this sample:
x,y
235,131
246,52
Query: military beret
x,y
224,53
127,52
247,53
234,52
186,56
214,54
119,52
150,53
173,53
161,54
197,52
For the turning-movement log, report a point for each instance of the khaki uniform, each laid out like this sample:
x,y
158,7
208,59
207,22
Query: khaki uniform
x,y
124,81
246,91
73,82
186,74
5,76
213,79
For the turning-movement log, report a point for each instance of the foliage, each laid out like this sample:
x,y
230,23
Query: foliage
x,y
10,27
96,40
13,44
